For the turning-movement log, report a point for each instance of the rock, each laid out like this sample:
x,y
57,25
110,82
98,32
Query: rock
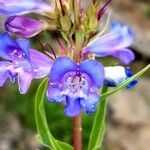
x,y
13,136
128,125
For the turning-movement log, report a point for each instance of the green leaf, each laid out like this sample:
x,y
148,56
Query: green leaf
x,y
102,31
125,83
79,37
44,133
98,129
65,146
64,37
93,23
65,23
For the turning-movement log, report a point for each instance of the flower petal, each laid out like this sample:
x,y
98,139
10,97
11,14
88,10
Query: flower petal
x,y
61,66
118,74
89,104
24,26
4,72
114,75
129,74
19,7
95,70
113,43
115,26
125,55
7,45
24,81
41,63
73,107
24,45
54,94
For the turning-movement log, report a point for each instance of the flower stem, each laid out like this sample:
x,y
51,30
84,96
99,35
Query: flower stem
x,y
77,132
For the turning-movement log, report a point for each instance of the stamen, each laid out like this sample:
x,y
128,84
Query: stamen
x,y
18,53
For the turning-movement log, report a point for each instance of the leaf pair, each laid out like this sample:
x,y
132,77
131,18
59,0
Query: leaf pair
x,y
98,128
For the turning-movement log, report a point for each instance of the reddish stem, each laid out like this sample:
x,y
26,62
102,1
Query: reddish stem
x,y
77,133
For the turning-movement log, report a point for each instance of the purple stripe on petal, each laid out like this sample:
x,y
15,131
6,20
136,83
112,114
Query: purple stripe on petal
x,y
24,45
7,46
113,43
89,104
4,72
60,67
54,94
41,63
24,81
73,107
110,42
94,70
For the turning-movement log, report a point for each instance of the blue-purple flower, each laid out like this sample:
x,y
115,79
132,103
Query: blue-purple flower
x,y
77,85
76,81
19,7
116,75
21,62
24,26
115,43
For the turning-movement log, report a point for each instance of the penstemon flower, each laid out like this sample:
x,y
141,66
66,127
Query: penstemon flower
x,y
21,62
19,7
67,77
24,26
114,43
117,74
75,76
75,84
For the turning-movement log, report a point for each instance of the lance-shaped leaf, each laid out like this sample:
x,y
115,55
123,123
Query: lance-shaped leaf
x,y
44,133
98,129
125,83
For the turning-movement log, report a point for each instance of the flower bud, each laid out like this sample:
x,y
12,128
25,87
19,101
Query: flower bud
x,y
24,26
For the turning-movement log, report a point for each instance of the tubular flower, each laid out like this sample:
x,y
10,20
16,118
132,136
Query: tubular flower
x,y
114,43
74,78
20,7
24,26
21,62
75,84
118,74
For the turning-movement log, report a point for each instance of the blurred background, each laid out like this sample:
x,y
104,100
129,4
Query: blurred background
x,y
128,121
